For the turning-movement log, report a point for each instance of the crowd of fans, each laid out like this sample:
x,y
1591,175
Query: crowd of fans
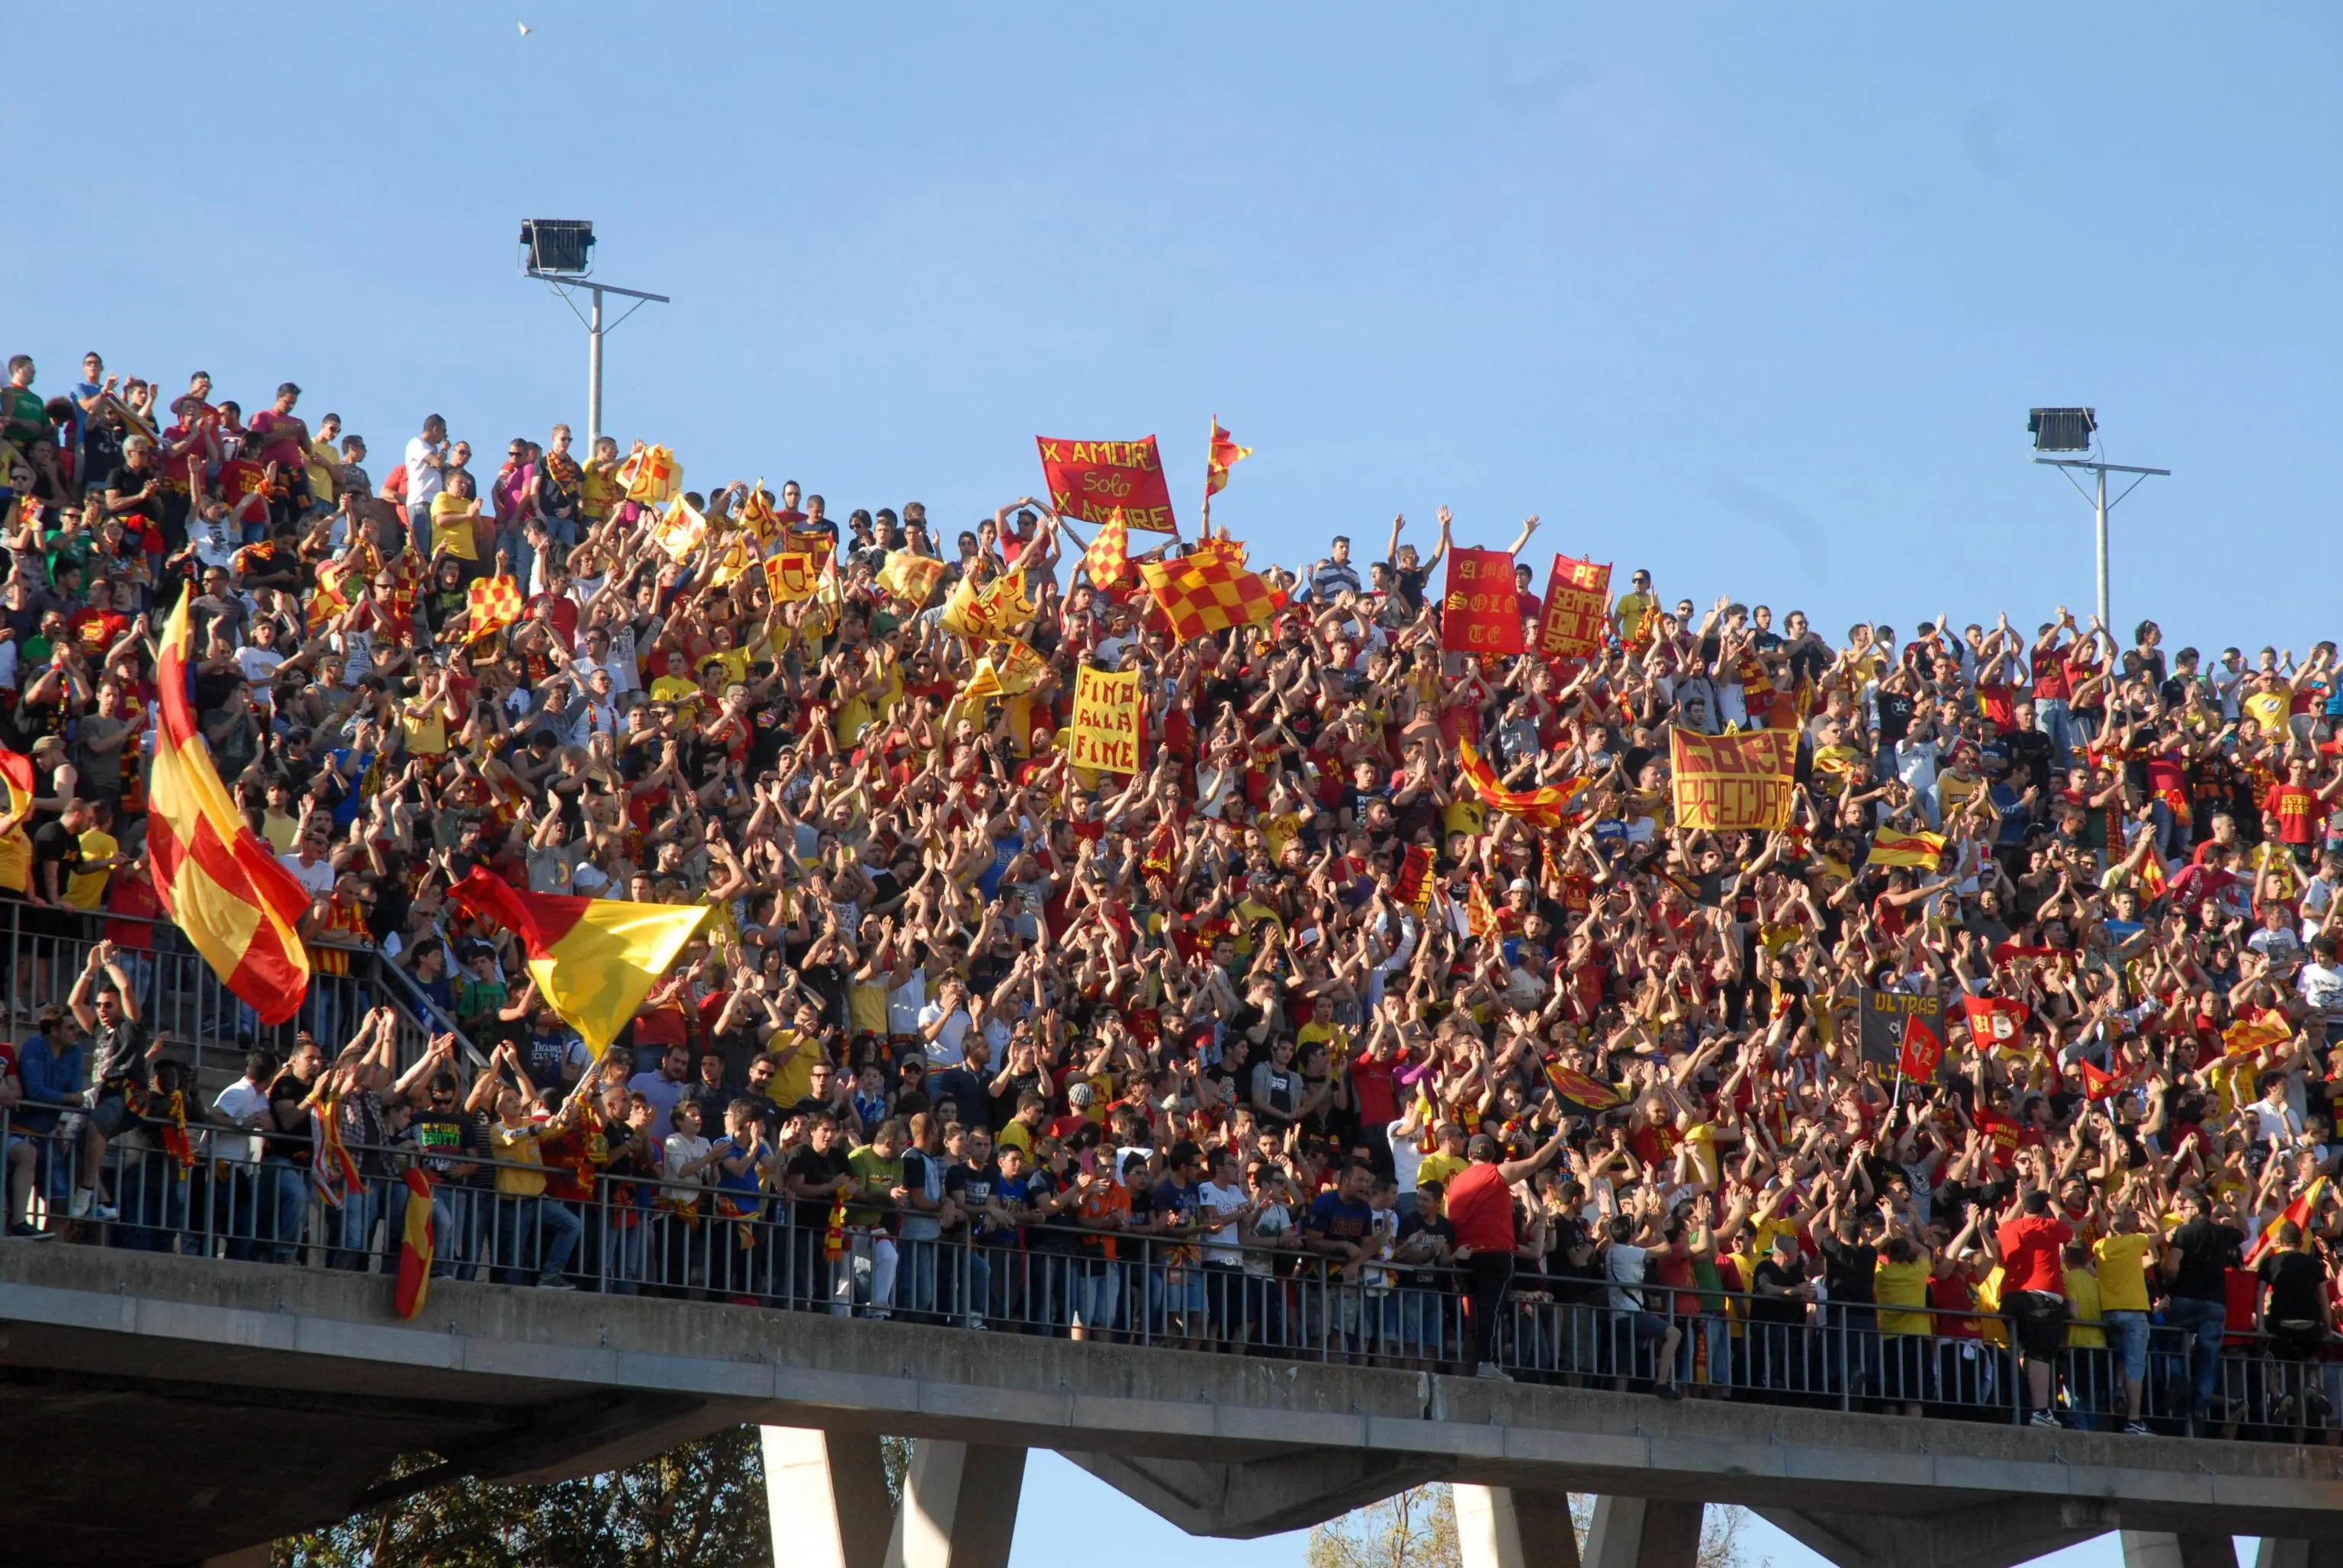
x,y
959,993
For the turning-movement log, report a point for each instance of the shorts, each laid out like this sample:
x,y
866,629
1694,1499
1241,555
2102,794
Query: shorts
x,y
2126,1334
111,1115
2041,1324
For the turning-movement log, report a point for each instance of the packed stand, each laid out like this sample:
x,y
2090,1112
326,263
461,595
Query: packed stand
x,y
1200,1055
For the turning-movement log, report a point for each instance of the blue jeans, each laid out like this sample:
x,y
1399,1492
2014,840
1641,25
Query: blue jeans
x,y
2126,1334
2051,718
360,1209
529,1225
285,1200
917,1291
2207,1321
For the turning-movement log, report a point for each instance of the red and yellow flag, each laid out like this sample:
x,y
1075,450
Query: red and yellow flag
x,y
414,1247
220,884
791,577
1480,915
2299,1211
1413,885
1225,454
16,772
1108,561
2249,1037
490,605
912,577
1573,1085
594,960
1200,595
1543,807
2098,1083
1899,847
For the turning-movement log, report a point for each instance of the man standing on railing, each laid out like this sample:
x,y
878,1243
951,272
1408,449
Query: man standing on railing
x,y
118,1066
1481,1208
2034,1291
2197,1258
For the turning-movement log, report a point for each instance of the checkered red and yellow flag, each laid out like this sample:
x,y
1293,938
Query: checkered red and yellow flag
x,y
490,605
1108,559
1225,454
1201,595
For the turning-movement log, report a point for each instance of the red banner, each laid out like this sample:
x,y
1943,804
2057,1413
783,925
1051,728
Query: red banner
x,y
1577,609
1995,1021
1090,481
1482,610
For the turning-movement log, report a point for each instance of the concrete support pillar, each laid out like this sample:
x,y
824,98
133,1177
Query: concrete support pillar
x,y
2160,1549
2278,1552
960,1506
1644,1533
827,1494
1501,1527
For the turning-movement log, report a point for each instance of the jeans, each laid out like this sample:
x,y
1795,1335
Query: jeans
x,y
542,1225
354,1225
2051,718
872,1257
284,1204
2207,1321
979,1298
918,1273
2126,1334
1095,1288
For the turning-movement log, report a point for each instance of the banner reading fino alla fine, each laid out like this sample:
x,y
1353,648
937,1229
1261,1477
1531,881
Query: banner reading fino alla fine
x,y
1732,783
1105,731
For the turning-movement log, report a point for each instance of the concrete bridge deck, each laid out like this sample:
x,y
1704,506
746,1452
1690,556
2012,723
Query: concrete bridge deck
x,y
236,1401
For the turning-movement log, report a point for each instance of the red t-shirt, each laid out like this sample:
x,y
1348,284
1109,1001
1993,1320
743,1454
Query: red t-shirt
x,y
2029,1253
2296,810
1480,1209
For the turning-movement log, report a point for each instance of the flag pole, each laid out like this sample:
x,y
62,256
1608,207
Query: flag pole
x,y
1205,531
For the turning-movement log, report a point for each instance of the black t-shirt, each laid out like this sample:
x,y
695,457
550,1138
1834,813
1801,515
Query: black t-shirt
x,y
125,482
1847,1270
1767,1309
1051,1236
972,1187
286,1094
2204,1251
814,1166
54,844
1894,717
1413,1224
441,1143
2296,1285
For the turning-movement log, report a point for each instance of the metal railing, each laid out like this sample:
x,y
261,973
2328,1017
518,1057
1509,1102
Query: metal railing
x,y
521,1225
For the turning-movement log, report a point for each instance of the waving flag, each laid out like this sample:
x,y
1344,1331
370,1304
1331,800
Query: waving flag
x,y
2249,1037
1108,559
490,605
414,1247
1413,885
16,772
2299,1211
1577,1087
651,476
1201,597
594,960
1898,846
2098,1083
1542,808
1995,1021
679,530
1225,454
1922,1049
912,577
219,883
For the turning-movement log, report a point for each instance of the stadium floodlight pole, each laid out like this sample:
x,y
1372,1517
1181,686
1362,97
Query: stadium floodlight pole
x,y
2069,430
558,252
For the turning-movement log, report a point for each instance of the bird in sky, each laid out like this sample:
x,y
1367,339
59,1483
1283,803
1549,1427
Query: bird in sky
x,y
524,29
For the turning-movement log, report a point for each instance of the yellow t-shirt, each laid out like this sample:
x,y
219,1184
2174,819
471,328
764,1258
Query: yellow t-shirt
x,y
2082,1330
1014,1136
16,859
87,890
793,1080
518,1146
281,831
600,495
1902,1285
1633,614
2122,1272
425,725
1441,1168
1701,1139
866,1007
2268,710
451,527
682,692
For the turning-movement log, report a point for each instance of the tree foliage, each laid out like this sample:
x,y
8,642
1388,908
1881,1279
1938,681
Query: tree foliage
x,y
1417,1529
701,1505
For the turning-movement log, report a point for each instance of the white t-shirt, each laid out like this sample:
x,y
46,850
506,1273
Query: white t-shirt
x,y
1624,1265
423,480
682,1149
318,880
945,1050
1216,1210
259,666
1406,1158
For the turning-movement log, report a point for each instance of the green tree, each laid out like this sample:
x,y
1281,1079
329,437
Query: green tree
x,y
1417,1529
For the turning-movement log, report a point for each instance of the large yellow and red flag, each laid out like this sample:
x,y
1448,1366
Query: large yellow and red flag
x,y
490,605
1107,561
220,884
1200,598
594,960
651,477
16,772
1225,454
912,577
1543,807
415,1248
2299,1211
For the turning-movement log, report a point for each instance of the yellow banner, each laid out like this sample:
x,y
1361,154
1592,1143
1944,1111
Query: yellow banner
x,y
998,610
912,577
679,529
1734,783
791,577
1106,729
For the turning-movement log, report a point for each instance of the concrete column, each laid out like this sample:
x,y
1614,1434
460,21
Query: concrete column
x,y
2278,1552
960,1506
2160,1548
1644,1533
827,1494
1501,1527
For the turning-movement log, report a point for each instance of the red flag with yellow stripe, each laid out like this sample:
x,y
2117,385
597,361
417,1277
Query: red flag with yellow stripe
x,y
1225,454
220,884
594,960
414,1247
1903,847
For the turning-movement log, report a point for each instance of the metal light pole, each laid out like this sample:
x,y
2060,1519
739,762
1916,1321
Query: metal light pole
x,y
557,252
2101,506
2074,430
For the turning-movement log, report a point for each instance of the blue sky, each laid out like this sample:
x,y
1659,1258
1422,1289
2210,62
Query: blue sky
x,y
1756,297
